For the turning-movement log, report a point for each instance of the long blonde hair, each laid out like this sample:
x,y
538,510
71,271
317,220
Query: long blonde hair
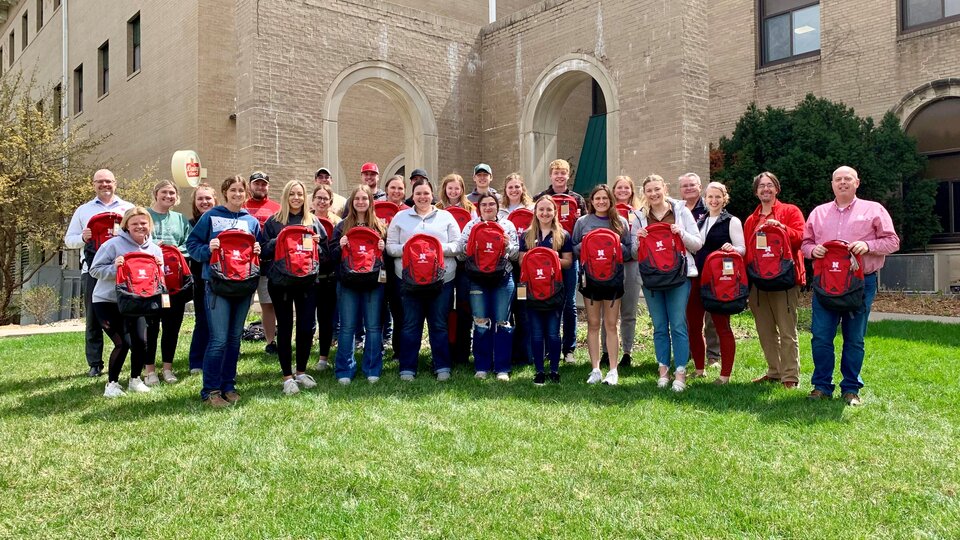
x,y
368,219
525,198
535,233
634,201
644,202
283,216
445,201
612,215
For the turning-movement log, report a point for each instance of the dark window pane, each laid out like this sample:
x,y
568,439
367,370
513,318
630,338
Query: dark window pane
x,y
775,7
806,30
937,126
941,207
923,11
943,167
956,206
776,38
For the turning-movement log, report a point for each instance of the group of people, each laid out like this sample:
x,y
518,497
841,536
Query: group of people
x,y
487,308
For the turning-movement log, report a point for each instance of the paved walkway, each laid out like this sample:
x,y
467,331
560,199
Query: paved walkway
x,y
874,316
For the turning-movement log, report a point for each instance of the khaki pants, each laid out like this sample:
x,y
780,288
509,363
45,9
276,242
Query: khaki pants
x,y
775,314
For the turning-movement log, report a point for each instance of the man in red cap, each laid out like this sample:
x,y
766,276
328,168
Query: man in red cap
x,y
370,175
261,207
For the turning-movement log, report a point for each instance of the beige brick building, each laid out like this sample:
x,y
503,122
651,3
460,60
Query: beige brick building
x,y
287,86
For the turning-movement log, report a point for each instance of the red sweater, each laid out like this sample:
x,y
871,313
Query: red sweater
x,y
792,219
261,209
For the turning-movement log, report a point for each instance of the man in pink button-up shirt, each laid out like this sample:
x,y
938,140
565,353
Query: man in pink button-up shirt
x,y
867,228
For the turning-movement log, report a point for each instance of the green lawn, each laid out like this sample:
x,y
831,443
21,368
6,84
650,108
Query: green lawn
x,y
484,459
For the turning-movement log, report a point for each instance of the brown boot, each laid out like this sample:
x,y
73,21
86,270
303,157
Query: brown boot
x,y
216,401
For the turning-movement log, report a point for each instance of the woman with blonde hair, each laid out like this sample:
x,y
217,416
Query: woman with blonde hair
x,y
453,192
170,228
359,305
515,194
288,298
625,192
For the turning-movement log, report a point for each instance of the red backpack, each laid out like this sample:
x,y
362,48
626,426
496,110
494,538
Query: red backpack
x,y
723,283
838,279
486,252
521,219
422,264
540,272
102,226
771,268
361,259
385,210
327,227
234,269
460,214
176,271
139,285
601,263
293,264
568,211
662,258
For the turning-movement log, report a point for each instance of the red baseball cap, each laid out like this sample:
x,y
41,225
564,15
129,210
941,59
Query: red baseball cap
x,y
370,167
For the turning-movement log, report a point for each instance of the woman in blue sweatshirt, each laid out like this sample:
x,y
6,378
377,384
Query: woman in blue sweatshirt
x,y
225,315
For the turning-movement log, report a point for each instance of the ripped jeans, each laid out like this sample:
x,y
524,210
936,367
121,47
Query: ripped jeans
x,y
492,332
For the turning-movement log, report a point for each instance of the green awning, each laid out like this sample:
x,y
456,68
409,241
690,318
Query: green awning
x,y
592,169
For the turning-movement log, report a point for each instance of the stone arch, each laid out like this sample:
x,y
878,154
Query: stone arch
x,y
414,113
540,116
394,165
923,95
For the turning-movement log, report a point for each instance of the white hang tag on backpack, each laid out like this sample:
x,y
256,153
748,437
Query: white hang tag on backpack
x,y
565,209
761,240
522,292
116,229
728,267
307,242
382,278
165,300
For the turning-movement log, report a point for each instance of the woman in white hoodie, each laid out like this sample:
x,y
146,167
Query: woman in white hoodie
x,y
668,308
128,333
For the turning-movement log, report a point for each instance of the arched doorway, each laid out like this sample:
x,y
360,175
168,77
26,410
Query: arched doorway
x,y
414,115
540,117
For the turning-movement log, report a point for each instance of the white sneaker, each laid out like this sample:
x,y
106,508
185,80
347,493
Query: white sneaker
x,y
113,390
169,377
612,378
373,379
344,380
196,371
480,375
503,376
443,376
406,377
595,377
322,365
678,385
662,382
151,379
290,387
137,385
568,358
305,380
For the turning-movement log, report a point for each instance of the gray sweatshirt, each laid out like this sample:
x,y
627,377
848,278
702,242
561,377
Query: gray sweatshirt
x,y
592,222
513,246
438,223
104,270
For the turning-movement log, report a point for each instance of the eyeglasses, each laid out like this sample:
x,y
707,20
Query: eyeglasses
x,y
322,199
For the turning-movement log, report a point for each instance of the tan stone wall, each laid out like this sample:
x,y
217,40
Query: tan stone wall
x,y
573,121
469,11
370,130
295,61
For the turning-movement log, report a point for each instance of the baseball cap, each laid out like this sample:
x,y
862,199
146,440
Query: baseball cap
x,y
483,167
258,175
322,170
370,167
419,172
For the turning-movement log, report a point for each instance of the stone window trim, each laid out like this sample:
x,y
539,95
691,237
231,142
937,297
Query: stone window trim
x,y
904,29
770,9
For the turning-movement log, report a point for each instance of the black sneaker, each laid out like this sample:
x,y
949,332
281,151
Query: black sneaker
x,y
95,371
539,379
625,361
605,358
271,348
555,378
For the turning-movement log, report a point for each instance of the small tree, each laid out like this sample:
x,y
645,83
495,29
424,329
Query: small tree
x,y
805,145
44,176
40,302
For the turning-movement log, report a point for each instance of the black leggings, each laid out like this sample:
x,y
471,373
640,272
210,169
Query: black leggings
x,y
170,320
284,301
127,334
325,294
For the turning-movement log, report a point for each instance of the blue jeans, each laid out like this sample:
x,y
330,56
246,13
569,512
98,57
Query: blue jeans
x,y
545,332
201,328
570,307
226,316
358,307
493,339
854,328
668,309
433,309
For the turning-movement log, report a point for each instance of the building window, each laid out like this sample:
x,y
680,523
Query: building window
x,y
39,14
919,13
103,69
934,127
24,28
13,43
133,44
58,104
788,29
78,90
56,4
